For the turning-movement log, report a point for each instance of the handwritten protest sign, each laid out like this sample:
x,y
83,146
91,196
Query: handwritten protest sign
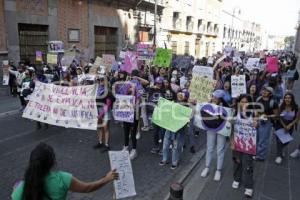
x,y
70,107
124,108
180,61
108,60
272,64
68,58
283,136
38,56
201,88
130,62
124,186
253,63
213,118
96,66
52,59
245,136
163,57
238,85
145,51
5,70
204,71
171,116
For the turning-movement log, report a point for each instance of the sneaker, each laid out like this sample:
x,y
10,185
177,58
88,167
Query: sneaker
x,y
125,148
154,150
133,154
162,163
248,192
106,148
173,167
217,175
278,160
98,146
235,185
138,135
295,154
205,172
145,128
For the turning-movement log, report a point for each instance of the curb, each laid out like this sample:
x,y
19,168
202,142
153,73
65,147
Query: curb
x,y
8,113
189,170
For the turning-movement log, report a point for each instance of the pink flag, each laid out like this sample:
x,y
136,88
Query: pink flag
x,y
130,62
272,64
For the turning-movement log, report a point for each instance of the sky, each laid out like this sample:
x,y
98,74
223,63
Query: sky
x,y
278,17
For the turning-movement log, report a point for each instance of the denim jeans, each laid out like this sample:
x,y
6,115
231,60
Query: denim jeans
x,y
263,133
177,140
191,131
210,145
243,165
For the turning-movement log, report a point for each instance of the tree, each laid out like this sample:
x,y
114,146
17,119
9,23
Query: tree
x,y
289,42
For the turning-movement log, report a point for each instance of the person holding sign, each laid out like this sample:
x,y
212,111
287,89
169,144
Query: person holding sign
x,y
242,161
212,138
41,182
288,118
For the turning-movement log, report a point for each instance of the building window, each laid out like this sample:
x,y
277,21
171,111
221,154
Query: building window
x,y
189,25
199,24
73,35
174,47
187,48
224,32
175,20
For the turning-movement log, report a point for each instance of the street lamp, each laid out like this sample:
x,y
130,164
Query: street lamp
x,y
238,9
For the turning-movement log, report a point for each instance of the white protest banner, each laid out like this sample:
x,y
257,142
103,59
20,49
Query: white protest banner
x,y
245,136
238,85
213,118
203,71
5,70
124,108
253,63
70,107
124,186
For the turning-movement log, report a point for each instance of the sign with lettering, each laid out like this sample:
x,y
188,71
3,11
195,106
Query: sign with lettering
x,y
170,115
272,64
52,59
238,85
204,71
245,136
201,88
70,107
124,108
55,47
163,57
145,51
253,63
5,70
38,56
124,186
213,118
108,60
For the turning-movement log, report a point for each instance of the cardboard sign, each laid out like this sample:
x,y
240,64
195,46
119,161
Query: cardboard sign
x,y
201,88
170,115
70,107
272,64
5,70
52,59
108,60
245,136
211,117
68,58
145,51
130,62
238,85
253,63
96,66
38,56
163,57
124,186
203,71
124,108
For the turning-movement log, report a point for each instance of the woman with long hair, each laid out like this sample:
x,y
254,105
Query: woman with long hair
x,y
243,162
288,118
41,182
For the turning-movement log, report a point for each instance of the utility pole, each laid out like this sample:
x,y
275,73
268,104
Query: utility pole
x,y
155,14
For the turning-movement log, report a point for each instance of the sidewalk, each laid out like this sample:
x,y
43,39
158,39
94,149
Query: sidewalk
x,y
271,181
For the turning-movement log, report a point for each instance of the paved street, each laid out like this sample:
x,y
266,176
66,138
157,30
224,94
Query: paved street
x,y
75,154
